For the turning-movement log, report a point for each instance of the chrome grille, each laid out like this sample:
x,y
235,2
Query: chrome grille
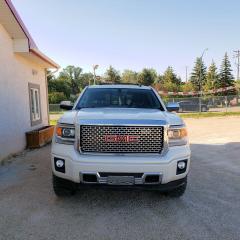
x,y
150,139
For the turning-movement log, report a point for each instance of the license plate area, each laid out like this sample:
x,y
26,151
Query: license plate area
x,y
120,180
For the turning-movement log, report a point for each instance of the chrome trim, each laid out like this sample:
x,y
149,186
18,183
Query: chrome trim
x,y
124,122
164,151
67,141
162,148
137,181
177,126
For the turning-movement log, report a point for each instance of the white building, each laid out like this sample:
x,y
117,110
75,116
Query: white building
x,y
23,84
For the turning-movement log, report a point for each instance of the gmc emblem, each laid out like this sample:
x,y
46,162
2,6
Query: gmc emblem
x,y
121,139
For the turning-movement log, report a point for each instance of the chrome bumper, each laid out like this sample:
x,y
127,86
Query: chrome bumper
x,y
121,179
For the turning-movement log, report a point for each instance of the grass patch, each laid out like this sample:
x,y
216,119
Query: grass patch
x,y
53,122
208,114
56,113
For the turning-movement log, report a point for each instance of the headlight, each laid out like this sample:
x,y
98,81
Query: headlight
x,y
177,136
65,134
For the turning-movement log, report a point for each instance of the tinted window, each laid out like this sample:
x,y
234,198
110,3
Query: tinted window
x,y
120,98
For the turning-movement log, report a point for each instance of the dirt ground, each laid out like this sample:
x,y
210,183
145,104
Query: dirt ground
x,y
210,208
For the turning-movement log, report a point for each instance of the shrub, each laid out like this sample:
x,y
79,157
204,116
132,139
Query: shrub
x,y
56,97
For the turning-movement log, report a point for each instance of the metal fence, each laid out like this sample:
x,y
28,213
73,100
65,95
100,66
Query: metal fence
x,y
55,108
193,104
208,103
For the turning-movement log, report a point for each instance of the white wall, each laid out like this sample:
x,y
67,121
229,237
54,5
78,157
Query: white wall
x,y
15,74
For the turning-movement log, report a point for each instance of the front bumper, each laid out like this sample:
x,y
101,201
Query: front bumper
x,y
76,163
159,187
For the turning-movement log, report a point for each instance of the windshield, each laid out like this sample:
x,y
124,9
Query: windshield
x,y
119,98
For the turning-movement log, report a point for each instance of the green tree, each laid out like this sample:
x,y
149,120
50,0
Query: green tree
x,y
170,81
226,78
50,76
72,75
198,76
112,76
212,77
129,76
237,85
86,79
56,97
187,87
147,77
59,85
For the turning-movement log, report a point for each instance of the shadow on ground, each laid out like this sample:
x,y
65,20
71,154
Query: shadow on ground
x,y
210,209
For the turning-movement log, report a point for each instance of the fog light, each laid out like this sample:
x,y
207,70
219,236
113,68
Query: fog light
x,y
59,163
181,165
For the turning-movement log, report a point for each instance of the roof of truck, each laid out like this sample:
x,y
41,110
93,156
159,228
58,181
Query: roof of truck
x,y
120,86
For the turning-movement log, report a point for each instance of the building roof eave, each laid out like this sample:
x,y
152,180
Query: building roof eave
x,y
31,44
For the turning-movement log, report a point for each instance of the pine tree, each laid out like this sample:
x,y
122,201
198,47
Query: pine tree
x,y
226,78
198,76
212,77
170,81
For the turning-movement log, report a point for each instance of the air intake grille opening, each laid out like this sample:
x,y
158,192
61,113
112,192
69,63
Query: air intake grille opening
x,y
121,139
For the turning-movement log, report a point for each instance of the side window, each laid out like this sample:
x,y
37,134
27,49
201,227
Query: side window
x,y
35,107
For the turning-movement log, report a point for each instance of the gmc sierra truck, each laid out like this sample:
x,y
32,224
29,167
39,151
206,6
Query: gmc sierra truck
x,y
120,136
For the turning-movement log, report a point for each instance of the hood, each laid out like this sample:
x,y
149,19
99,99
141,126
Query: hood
x,y
121,115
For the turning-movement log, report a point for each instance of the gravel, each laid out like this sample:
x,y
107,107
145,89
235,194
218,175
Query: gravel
x,y
210,208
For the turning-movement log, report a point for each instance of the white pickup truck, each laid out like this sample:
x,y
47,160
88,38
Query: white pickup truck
x,y
120,136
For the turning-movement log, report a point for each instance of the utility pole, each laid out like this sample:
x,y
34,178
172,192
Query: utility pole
x,y
237,56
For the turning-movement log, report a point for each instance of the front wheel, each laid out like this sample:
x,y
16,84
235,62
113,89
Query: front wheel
x,y
177,192
63,187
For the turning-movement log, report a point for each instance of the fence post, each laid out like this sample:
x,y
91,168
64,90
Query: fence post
x,y
226,103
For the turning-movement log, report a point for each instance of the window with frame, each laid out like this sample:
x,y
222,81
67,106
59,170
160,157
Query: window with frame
x,y
35,108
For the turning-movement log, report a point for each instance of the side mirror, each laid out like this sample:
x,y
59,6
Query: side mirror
x,y
173,107
66,105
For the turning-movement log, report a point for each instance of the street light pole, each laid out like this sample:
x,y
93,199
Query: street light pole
x,y
94,72
200,81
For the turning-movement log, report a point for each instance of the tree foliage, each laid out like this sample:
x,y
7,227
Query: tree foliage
x,y
129,76
71,80
56,97
187,87
147,77
237,84
170,81
226,78
198,76
212,77
72,75
112,76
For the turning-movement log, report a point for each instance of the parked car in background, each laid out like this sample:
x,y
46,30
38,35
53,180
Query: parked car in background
x,y
190,106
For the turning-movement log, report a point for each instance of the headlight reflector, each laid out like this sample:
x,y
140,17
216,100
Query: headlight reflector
x,y
65,133
177,136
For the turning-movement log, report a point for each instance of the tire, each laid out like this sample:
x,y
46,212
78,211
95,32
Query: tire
x,y
63,187
177,192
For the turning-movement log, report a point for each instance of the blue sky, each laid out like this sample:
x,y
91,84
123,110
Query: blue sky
x,y
133,34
